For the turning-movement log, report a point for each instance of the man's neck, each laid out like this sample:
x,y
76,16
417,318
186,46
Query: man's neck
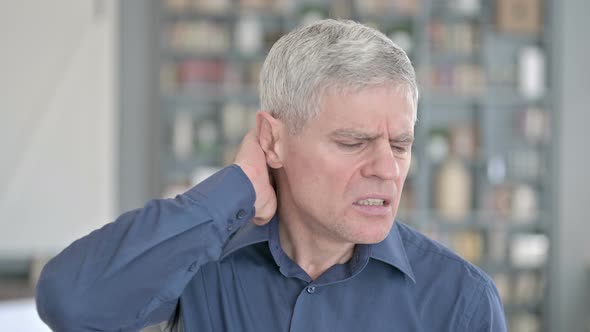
x,y
313,251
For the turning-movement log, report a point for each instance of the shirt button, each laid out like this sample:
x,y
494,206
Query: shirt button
x,y
241,214
310,289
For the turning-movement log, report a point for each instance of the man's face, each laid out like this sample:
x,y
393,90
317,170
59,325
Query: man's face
x,y
343,174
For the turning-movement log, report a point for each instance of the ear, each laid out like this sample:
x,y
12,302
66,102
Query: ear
x,y
271,132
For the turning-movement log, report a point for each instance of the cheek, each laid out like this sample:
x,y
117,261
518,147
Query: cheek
x,y
304,174
319,175
337,172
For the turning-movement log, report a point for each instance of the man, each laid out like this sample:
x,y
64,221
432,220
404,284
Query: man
x,y
316,251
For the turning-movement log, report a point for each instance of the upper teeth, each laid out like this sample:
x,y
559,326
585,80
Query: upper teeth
x,y
370,201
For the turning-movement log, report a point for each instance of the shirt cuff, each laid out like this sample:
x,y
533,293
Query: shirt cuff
x,y
228,195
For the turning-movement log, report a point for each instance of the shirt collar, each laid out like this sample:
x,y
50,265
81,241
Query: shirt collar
x,y
391,250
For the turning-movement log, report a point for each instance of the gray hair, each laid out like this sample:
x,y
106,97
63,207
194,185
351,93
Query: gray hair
x,y
330,54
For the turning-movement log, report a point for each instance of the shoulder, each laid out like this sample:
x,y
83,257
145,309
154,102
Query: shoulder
x,y
421,249
446,280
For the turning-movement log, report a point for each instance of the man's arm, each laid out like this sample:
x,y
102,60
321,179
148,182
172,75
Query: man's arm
x,y
130,273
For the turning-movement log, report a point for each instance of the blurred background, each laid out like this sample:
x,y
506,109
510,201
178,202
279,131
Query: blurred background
x,y
106,104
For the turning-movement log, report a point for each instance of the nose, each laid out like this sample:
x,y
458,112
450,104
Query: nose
x,y
382,163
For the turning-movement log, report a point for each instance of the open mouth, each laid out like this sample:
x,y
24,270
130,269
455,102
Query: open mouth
x,y
372,202
373,206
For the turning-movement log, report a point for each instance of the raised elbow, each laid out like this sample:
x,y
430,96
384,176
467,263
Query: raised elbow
x,y
56,304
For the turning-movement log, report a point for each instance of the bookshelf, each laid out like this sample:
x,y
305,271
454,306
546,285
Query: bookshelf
x,y
484,125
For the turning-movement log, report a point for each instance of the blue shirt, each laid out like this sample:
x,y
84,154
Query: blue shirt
x,y
197,253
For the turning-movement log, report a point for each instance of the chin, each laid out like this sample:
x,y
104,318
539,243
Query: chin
x,y
375,233
371,239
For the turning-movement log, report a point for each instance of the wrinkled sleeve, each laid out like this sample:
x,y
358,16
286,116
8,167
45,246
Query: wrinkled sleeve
x,y
130,273
488,315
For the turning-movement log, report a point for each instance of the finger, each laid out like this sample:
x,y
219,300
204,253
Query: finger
x,y
271,176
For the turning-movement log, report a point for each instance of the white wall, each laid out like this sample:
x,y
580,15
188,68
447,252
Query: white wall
x,y
57,122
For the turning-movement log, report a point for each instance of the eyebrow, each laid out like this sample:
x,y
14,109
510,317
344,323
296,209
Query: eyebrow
x,y
363,136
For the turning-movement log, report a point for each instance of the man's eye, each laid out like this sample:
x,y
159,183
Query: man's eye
x,y
350,146
400,149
